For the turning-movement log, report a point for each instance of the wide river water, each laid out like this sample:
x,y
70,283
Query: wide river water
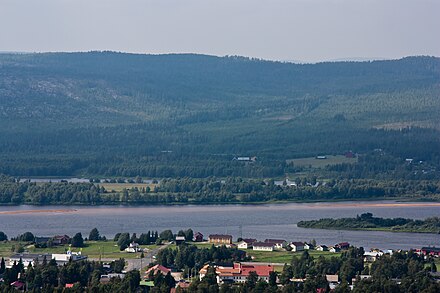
x,y
249,221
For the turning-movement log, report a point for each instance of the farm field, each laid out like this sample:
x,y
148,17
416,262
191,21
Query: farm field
x,y
313,162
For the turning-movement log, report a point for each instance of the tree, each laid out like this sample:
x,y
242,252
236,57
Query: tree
x,y
166,235
189,235
94,235
2,266
273,279
3,236
77,240
252,280
27,237
116,238
123,241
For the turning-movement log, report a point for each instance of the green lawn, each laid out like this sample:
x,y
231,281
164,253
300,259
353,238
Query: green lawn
x,y
93,249
284,256
321,163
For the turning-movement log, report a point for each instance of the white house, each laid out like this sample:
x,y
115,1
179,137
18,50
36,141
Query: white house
x,y
308,246
246,243
334,249
321,248
262,246
277,243
371,256
297,246
133,247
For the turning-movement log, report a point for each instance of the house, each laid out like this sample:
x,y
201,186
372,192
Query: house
x,y
297,246
277,243
41,240
60,258
133,247
343,245
372,256
27,259
350,155
198,237
361,277
107,278
156,269
322,248
18,285
432,251
262,246
321,157
220,239
239,273
333,281
246,243
63,258
308,246
180,240
61,239
334,249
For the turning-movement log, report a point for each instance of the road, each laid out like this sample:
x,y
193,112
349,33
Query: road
x,y
138,263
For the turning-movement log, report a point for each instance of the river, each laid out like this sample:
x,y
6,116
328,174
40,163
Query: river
x,y
249,221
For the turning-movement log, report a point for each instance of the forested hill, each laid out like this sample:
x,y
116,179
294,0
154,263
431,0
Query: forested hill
x,y
105,112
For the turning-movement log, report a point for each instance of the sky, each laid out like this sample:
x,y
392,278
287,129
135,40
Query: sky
x,y
287,30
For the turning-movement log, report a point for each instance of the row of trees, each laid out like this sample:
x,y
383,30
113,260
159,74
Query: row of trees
x,y
213,190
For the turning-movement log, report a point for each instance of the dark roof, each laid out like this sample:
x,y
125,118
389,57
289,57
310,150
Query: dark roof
x,y
41,239
298,243
220,236
262,244
431,249
31,256
249,240
274,241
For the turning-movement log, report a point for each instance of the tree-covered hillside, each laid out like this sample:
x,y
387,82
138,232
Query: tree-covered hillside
x,y
115,114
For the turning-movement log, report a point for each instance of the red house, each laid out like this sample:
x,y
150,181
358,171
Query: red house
x,y
198,237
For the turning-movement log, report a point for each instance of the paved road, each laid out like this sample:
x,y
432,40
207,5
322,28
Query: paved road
x,y
137,263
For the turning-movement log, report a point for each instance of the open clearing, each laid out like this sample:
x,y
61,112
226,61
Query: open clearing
x,y
118,187
313,162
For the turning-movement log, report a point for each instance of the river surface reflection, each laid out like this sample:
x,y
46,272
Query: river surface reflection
x,y
248,221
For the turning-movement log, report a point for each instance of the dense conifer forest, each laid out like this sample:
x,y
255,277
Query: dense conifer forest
x,y
107,114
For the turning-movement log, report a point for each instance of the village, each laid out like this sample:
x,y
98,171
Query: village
x,y
264,259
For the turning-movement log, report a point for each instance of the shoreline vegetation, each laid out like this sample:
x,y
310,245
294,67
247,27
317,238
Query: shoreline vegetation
x,y
368,222
230,190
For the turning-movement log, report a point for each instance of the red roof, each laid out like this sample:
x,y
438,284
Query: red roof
x,y
261,270
159,268
69,285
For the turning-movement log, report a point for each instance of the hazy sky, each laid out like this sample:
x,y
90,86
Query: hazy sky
x,y
306,30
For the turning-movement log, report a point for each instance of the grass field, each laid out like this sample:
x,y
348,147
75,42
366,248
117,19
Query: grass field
x,y
118,187
285,256
321,163
93,249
